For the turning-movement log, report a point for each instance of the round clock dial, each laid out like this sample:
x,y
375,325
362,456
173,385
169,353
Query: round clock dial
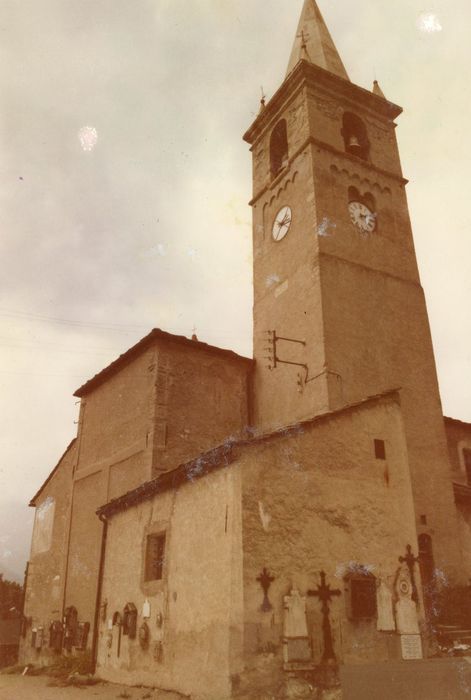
x,y
282,223
362,217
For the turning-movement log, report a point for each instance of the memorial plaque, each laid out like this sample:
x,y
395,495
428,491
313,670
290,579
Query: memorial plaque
x,y
298,650
411,645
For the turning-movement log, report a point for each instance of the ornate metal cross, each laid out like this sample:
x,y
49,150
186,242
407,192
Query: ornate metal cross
x,y
410,560
265,580
325,594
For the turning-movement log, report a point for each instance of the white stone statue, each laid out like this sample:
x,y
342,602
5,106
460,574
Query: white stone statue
x,y
295,624
384,602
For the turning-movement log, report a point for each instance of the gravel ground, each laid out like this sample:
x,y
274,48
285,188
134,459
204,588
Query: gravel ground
x,y
13,687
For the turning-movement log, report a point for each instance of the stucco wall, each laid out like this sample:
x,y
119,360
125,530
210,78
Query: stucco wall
x,y
320,500
377,337
316,498
201,398
46,570
199,596
166,405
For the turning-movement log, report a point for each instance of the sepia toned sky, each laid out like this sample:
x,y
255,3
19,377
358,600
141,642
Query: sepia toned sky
x,y
124,188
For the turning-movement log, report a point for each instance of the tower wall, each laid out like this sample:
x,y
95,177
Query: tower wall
x,y
354,296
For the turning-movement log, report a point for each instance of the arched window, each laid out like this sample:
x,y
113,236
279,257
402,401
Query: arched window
x,y
278,148
353,194
355,136
370,201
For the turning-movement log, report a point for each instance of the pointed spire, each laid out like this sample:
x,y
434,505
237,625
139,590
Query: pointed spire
x,y
313,42
377,90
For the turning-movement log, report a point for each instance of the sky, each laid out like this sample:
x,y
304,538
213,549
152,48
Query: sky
x,y
124,186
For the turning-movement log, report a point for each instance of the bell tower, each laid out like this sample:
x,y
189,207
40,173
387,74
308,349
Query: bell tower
x,y
339,312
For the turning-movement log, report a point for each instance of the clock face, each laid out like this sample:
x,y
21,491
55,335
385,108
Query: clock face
x,y
362,217
281,224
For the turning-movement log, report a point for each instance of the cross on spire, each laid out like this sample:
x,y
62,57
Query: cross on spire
x,y
313,42
304,37
325,594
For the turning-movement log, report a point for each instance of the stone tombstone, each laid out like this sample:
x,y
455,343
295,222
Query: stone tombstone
x,y
411,646
296,647
384,604
406,610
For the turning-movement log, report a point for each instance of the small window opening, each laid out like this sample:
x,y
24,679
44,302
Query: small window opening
x,y
355,136
155,555
423,520
467,464
278,148
367,198
380,449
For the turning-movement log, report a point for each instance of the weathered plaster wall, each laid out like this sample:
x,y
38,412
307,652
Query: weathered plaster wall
x,y
354,298
377,337
46,570
201,398
287,295
117,414
320,500
84,545
166,405
200,596
114,456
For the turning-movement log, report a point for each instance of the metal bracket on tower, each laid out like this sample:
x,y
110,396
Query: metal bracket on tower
x,y
273,358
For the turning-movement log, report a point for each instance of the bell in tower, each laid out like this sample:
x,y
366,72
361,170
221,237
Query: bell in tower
x,y
354,146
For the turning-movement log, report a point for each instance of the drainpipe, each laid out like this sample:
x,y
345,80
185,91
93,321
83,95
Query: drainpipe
x,y
101,568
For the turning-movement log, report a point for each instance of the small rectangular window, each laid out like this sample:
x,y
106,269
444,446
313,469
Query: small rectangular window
x,y
380,449
155,555
467,464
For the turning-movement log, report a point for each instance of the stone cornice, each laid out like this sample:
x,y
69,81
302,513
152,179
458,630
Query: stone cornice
x,y
327,147
307,74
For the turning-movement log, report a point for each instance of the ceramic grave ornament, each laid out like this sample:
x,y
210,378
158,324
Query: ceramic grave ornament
x,y
406,610
146,609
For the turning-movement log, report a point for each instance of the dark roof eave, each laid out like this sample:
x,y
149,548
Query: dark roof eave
x,y
456,420
462,492
195,469
221,456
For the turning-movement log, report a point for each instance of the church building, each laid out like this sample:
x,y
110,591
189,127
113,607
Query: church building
x,y
228,527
